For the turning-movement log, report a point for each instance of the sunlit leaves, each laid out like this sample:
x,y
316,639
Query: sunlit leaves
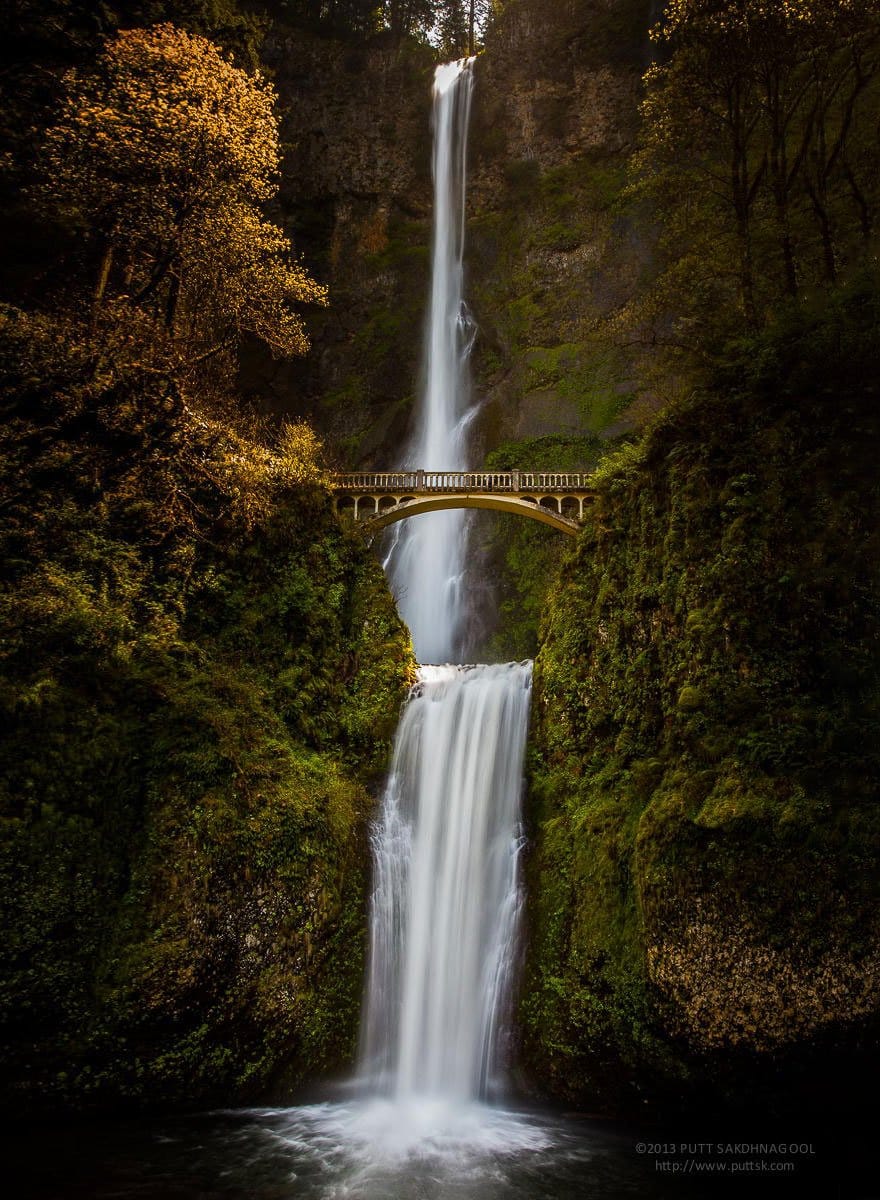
x,y
131,438
167,151
162,123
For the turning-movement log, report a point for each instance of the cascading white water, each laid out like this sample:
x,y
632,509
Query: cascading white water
x,y
445,905
426,558
447,894
446,846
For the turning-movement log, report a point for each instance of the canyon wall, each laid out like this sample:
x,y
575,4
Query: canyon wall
x,y
704,819
554,118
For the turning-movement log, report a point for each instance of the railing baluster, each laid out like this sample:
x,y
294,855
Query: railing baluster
x,y
368,486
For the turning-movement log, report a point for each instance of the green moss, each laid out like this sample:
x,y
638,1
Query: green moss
x,y
525,555
690,699
591,374
196,700
704,788
520,295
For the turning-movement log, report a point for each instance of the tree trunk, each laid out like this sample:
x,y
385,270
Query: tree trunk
x,y
742,204
172,301
101,285
747,276
778,159
861,203
825,231
819,198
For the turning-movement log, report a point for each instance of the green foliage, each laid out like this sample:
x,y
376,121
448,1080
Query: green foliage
x,y
758,159
200,672
525,556
706,687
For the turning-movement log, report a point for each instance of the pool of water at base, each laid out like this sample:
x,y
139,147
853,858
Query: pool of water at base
x,y
375,1150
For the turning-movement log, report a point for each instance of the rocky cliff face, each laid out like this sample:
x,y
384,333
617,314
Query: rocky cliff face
x,y
704,921
549,256
553,119
356,194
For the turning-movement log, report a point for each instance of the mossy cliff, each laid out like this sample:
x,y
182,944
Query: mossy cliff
x,y
201,675
555,119
551,256
704,898
356,192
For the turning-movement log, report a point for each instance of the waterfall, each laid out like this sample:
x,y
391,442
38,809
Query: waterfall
x,y
446,845
447,896
426,558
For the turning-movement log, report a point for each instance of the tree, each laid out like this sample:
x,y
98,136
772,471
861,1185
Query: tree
x,y
759,145
167,152
702,97
454,27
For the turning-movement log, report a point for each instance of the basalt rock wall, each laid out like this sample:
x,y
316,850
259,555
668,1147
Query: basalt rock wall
x,y
356,196
704,787
554,118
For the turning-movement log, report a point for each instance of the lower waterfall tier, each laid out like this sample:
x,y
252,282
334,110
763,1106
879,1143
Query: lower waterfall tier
x,y
447,895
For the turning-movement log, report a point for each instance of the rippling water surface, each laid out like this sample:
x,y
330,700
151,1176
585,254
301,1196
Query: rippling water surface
x,y
381,1150
372,1150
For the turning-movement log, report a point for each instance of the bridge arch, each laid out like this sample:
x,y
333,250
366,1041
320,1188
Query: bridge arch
x,y
379,498
412,507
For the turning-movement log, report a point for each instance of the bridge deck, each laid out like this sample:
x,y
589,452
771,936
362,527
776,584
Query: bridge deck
x,y
379,498
420,482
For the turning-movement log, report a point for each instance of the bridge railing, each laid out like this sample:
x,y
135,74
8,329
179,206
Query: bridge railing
x,y
461,481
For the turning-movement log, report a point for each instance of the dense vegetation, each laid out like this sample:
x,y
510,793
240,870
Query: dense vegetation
x,y
759,156
704,915
525,555
200,669
610,280
705,785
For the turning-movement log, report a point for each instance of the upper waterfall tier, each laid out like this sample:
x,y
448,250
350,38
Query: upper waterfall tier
x,y
427,556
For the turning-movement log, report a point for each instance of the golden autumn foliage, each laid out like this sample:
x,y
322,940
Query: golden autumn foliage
x,y
167,151
728,18
729,985
135,440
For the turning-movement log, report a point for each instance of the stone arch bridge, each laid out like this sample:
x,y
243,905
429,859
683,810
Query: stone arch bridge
x,y
377,499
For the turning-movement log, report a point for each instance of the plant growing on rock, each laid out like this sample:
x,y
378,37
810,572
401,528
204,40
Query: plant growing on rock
x,y
166,152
